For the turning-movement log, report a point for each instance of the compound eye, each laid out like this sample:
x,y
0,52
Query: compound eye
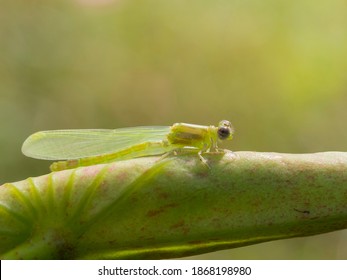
x,y
223,132
225,123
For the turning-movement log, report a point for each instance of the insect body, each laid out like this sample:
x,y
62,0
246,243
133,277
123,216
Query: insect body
x,y
83,147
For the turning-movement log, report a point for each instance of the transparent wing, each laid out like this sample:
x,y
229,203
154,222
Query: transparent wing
x,y
80,143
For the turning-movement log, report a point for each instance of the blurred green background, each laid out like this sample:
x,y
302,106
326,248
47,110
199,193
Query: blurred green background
x,y
276,69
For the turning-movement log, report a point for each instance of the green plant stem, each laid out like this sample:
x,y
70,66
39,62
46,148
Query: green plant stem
x,y
150,208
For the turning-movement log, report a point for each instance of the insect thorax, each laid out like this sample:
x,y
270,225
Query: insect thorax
x,y
192,135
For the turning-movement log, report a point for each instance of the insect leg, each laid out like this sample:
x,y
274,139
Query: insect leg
x,y
203,160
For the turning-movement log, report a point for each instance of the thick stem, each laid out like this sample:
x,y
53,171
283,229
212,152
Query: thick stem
x,y
176,206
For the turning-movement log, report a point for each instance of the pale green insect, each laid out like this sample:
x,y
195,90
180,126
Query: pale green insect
x,y
83,147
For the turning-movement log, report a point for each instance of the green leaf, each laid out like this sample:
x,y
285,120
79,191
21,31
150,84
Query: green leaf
x,y
151,208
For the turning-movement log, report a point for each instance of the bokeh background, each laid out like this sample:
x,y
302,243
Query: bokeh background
x,y
276,69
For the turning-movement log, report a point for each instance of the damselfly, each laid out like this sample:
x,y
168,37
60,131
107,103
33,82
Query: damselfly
x,y
83,147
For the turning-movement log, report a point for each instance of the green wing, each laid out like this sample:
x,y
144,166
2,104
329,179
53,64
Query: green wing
x,y
80,143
